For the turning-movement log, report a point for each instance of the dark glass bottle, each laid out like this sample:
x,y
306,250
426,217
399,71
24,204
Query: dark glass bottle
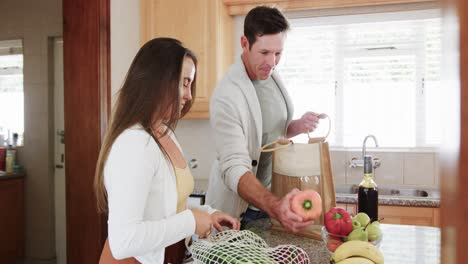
x,y
368,195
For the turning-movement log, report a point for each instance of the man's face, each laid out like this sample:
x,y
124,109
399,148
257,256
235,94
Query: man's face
x,y
262,57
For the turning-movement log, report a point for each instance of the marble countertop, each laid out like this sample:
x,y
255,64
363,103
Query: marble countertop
x,y
432,200
401,244
393,201
394,195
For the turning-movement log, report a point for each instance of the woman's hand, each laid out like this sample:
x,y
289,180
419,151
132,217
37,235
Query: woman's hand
x,y
203,223
220,219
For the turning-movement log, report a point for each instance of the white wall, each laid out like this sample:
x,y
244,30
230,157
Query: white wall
x,y
196,138
34,22
125,39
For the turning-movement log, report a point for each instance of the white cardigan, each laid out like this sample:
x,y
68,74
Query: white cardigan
x,y
142,198
236,119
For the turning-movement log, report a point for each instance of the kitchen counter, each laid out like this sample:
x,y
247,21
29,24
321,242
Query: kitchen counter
x,y
393,201
401,244
433,199
14,175
393,195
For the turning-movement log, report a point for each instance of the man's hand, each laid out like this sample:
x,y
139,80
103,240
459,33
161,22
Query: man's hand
x,y
307,123
251,190
287,217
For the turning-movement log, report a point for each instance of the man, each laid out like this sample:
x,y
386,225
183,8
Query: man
x,y
249,108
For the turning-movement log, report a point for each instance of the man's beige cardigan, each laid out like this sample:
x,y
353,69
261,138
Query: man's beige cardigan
x,y
236,120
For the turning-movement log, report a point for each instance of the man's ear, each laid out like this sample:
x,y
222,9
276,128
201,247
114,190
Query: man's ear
x,y
244,43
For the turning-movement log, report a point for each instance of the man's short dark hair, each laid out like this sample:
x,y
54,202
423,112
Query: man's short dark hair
x,y
264,20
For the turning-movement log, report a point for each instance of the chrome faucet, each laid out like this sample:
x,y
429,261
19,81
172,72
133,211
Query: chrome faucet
x,y
364,144
355,162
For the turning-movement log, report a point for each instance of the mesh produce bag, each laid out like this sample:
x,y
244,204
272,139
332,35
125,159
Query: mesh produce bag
x,y
235,247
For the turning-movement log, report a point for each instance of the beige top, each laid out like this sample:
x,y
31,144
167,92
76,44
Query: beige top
x,y
185,185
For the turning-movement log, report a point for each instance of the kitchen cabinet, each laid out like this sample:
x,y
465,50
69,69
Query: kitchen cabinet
x,y
11,219
437,217
420,216
241,7
205,27
403,215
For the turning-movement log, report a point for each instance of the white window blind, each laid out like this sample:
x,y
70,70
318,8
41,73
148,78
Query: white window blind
x,y
371,75
310,76
432,86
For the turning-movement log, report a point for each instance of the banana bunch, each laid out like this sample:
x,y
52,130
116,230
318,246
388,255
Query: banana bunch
x,y
357,252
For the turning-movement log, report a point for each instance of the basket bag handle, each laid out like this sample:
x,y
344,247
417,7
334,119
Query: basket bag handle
x,y
284,143
321,139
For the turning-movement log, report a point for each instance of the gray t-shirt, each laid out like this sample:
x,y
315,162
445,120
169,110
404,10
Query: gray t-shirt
x,y
274,116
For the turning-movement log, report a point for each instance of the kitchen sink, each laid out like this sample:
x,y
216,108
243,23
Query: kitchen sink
x,y
392,191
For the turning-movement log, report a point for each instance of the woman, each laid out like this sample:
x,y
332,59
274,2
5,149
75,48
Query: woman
x,y
142,179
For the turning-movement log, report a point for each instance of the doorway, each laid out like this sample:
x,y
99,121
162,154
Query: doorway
x,y
59,151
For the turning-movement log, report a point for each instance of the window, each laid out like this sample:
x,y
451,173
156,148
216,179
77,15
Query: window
x,y
373,74
11,91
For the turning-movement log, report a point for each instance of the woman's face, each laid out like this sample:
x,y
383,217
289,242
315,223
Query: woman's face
x,y
185,84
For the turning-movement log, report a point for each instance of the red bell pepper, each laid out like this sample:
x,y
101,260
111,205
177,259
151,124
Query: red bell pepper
x,y
338,221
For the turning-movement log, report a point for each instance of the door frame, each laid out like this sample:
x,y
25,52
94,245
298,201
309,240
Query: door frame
x,y
56,50
86,51
454,154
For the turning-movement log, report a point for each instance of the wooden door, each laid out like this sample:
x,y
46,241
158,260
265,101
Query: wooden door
x,y
86,47
454,154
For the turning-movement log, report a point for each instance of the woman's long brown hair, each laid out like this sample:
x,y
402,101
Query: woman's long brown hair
x,y
150,90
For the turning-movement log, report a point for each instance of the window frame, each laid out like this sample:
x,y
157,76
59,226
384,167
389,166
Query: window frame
x,y
11,48
342,53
